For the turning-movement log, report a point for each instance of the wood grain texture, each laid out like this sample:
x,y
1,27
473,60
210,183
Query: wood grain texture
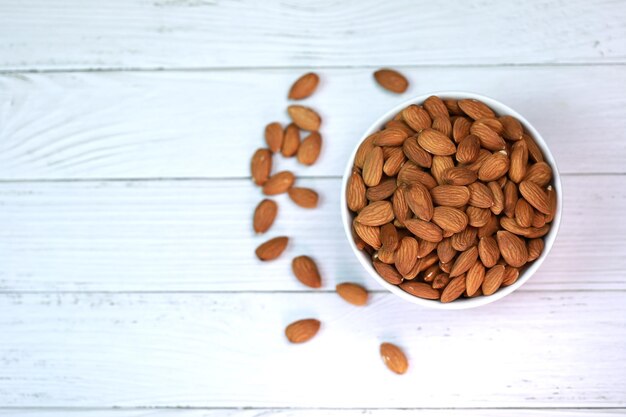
x,y
564,349
197,236
64,34
208,124
301,412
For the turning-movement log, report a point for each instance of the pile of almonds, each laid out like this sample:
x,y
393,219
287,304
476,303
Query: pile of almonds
x,y
450,200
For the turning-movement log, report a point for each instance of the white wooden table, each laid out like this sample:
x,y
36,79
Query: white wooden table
x,y
128,284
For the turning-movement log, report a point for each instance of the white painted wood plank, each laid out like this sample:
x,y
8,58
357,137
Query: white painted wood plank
x,y
564,349
197,236
298,412
45,34
208,124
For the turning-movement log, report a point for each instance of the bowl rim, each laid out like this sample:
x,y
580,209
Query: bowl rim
x,y
499,108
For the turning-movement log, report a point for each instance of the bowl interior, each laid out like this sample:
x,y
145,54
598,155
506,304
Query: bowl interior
x,y
525,273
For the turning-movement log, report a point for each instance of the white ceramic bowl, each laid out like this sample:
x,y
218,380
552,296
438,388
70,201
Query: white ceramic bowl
x,y
461,303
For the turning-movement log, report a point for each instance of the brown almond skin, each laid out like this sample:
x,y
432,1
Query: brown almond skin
x,y
272,249
475,109
535,195
540,173
304,86
511,275
393,162
415,153
388,272
391,80
513,129
420,202
449,219
461,129
304,197
291,141
474,278
464,239
424,230
533,149
468,150
373,167
453,107
369,234
488,251
519,161
279,183
436,107
524,213
389,237
435,142
454,289
464,262
406,255
512,248
493,280
310,148
445,251
261,166
355,193
392,136
459,176
274,136
494,167
498,197
510,198
441,165
376,214
382,191
354,294
416,117
450,195
302,330
394,358
488,138
480,195
305,117
364,148
535,247
264,215
443,125
477,217
305,269
420,289
440,281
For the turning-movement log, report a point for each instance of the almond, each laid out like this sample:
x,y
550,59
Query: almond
x,y
420,289
498,197
264,216
389,237
449,218
399,124
464,262
261,166
388,272
443,125
519,160
305,117
450,195
535,232
493,279
468,150
391,137
424,230
512,127
382,191
393,162
353,293
524,213
415,153
309,149
291,141
305,269
493,124
369,234
454,289
440,281
386,256
512,226
512,248
419,201
480,159
373,167
435,142
440,165
475,109
410,173
445,266
436,107
535,195
494,167
474,278
480,195
274,136
552,200
425,248
364,149
464,239
510,198
453,106
459,176
355,192
376,214
488,138
302,330
539,219
533,150
445,251
511,275
391,80
540,173
477,217
394,358
535,247
304,86
492,226
272,249
278,183
416,117
461,129
304,197
401,209
430,273
488,251
406,255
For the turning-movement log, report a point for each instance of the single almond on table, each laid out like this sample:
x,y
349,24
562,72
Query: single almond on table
x,y
279,183
391,80
305,117
376,214
305,269
264,215
512,248
261,166
310,148
274,136
420,289
454,289
394,358
272,249
304,86
291,141
304,197
353,293
302,330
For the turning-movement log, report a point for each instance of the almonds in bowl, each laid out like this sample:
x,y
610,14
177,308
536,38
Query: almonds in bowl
x,y
451,200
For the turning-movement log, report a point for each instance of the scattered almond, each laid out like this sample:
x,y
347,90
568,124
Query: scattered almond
x,y
305,117
305,269
304,197
302,330
264,215
394,358
291,141
391,80
279,183
304,86
353,293
309,149
261,166
272,249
